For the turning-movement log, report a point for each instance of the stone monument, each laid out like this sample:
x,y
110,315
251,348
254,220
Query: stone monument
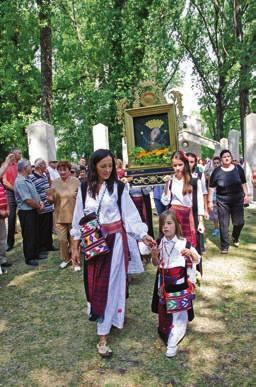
x,y
233,143
217,149
223,143
41,141
250,150
100,137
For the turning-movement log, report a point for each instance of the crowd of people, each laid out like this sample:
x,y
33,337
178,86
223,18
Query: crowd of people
x,y
65,199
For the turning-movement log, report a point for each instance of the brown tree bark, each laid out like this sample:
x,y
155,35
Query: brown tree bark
x,y
244,68
46,58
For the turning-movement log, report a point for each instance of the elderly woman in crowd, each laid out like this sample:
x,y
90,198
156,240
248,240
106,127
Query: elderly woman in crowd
x,y
63,194
231,194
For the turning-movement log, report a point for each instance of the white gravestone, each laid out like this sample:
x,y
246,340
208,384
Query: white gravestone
x,y
217,150
41,141
233,143
100,137
250,150
223,143
124,152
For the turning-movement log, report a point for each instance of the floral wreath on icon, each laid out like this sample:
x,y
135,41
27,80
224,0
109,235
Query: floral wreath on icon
x,y
161,155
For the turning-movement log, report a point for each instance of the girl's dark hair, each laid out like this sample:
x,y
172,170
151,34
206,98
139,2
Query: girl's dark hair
x,y
93,179
191,154
180,155
225,151
162,219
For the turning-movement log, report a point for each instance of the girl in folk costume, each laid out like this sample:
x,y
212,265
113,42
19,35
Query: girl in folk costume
x,y
105,275
175,281
185,197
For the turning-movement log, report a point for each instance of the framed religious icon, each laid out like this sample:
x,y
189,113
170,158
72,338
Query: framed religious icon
x,y
151,134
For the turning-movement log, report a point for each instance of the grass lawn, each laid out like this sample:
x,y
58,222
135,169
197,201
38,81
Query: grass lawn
x,y
47,340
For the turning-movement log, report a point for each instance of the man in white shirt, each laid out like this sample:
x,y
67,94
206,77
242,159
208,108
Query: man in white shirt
x,y
52,169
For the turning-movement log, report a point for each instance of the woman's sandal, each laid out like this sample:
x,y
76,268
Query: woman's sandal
x,y
104,350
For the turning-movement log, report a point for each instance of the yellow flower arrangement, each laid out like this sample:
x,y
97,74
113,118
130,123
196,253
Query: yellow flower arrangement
x,y
140,156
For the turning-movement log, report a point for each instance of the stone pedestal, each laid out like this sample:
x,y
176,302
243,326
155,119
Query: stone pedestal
x,y
217,150
41,141
223,143
100,137
233,143
250,150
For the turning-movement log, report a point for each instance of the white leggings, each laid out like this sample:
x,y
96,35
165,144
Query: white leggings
x,y
179,321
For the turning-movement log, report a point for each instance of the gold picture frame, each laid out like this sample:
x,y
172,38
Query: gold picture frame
x,y
152,129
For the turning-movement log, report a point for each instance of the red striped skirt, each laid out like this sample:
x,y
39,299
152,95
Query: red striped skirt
x,y
185,217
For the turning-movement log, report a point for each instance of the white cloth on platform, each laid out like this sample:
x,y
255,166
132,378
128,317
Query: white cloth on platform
x,y
109,213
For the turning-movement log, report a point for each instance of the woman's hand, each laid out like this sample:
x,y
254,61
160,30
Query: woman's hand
x,y
75,252
75,257
201,227
210,206
50,195
155,255
246,199
148,240
189,253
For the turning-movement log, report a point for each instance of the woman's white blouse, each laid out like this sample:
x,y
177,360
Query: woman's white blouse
x,y
183,200
109,211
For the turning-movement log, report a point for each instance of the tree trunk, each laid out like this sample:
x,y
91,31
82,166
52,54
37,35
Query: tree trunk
x,y
46,58
244,68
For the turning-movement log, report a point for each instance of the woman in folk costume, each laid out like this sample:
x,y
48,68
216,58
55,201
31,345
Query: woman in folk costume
x,y
105,276
185,197
175,282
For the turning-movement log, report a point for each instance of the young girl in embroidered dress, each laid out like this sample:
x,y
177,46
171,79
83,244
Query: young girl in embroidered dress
x,y
185,197
175,282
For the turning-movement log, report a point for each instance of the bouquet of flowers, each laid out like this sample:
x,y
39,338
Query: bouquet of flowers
x,y
140,156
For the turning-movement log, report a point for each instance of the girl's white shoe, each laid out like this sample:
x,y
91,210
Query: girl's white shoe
x,y
171,351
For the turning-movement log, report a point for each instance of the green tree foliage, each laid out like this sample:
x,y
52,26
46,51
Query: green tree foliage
x,y
19,77
101,50
218,37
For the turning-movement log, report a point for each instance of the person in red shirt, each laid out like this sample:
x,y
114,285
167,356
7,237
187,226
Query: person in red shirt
x,y
8,180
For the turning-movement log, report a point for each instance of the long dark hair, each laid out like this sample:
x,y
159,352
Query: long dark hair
x,y
93,179
180,155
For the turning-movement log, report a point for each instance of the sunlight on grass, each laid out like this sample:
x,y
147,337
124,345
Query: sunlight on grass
x,y
47,340
20,280
208,325
3,326
45,378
